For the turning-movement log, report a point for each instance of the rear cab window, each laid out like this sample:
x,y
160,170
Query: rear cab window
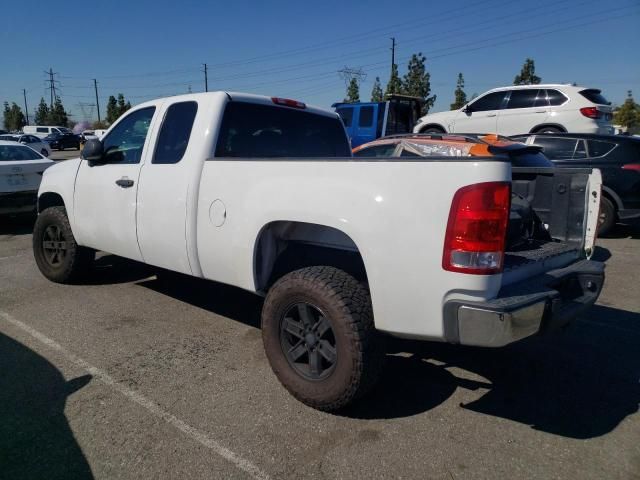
x,y
252,130
595,96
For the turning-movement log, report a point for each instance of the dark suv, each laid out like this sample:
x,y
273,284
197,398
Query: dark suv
x,y
60,141
617,157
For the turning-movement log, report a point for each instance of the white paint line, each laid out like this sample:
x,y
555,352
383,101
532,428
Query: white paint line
x,y
13,256
144,402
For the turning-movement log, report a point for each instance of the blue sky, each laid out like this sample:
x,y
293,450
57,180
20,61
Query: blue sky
x,y
147,49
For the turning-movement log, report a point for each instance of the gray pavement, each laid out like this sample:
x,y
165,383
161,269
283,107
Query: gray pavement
x,y
64,154
131,377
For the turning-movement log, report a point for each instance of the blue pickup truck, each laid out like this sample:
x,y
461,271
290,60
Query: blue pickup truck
x,y
368,121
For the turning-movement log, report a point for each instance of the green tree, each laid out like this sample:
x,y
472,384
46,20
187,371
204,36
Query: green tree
x,y
460,97
6,112
417,82
628,115
353,92
42,113
527,75
57,114
116,107
13,117
112,110
395,84
122,105
376,91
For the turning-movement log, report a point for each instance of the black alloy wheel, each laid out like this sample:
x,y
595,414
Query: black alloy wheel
x,y
54,245
308,341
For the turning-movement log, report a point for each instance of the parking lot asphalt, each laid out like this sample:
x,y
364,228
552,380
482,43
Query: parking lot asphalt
x,y
133,377
64,154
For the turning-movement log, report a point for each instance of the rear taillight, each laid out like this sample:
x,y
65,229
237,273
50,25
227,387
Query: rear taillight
x,y
287,102
591,112
477,228
632,166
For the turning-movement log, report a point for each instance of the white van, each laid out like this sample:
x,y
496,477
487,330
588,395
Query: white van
x,y
41,131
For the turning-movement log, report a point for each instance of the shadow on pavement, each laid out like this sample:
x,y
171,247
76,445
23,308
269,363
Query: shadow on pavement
x,y
22,225
35,438
578,383
225,300
110,269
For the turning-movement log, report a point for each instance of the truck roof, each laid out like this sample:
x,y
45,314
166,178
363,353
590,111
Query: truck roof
x,y
245,97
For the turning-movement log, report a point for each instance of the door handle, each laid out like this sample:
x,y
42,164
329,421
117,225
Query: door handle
x,y
491,114
124,182
540,111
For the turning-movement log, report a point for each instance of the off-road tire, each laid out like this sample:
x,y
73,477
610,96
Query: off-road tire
x,y
606,217
76,261
346,303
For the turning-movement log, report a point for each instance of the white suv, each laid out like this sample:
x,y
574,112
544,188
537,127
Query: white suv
x,y
549,108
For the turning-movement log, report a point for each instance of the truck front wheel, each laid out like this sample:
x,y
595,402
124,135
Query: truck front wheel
x,y
57,254
319,337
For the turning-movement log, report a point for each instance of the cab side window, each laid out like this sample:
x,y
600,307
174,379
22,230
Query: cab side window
x,y
125,141
175,132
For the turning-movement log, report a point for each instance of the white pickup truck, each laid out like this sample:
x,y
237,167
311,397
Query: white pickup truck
x,y
263,193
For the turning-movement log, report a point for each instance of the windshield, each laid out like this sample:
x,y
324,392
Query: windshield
x,y
10,153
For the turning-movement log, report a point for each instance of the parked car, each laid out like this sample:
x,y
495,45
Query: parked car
x,y
366,121
42,131
30,141
61,141
455,146
87,135
21,171
617,157
549,108
263,194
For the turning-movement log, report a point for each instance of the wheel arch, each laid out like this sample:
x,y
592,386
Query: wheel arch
x,y
433,125
283,246
49,199
613,196
537,128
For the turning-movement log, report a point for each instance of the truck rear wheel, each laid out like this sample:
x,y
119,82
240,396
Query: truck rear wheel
x,y
57,254
319,337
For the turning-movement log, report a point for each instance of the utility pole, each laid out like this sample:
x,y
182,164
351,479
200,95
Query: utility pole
x,y
52,85
206,79
95,86
393,53
26,110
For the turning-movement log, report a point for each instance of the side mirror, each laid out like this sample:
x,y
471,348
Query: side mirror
x,y
467,109
93,151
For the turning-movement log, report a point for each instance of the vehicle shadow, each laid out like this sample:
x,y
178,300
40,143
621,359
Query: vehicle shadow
x,y
110,269
624,231
578,383
22,225
35,438
225,300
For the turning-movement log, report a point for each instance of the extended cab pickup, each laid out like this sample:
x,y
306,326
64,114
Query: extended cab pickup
x,y
263,193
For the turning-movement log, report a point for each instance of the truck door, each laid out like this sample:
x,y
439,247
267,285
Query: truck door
x,y
105,197
365,130
164,190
